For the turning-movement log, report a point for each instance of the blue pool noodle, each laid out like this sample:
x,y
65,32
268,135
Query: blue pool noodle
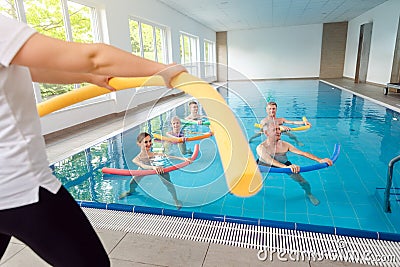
x,y
317,166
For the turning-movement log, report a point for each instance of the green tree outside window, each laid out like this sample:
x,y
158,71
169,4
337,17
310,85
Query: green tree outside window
x,y
8,8
47,17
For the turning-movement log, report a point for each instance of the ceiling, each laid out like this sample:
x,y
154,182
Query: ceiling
x,y
229,15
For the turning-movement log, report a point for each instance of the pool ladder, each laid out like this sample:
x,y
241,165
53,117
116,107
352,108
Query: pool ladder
x,y
386,203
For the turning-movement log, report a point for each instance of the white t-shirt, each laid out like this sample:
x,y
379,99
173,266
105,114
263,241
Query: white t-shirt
x,y
23,160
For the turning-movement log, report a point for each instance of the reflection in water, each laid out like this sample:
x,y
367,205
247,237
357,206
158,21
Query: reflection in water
x,y
81,173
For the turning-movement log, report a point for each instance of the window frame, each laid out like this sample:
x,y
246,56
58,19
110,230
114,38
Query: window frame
x,y
193,65
210,62
97,36
164,42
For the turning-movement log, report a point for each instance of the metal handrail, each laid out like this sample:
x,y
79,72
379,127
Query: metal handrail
x,y
386,203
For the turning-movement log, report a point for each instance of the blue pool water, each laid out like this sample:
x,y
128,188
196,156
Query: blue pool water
x,y
350,192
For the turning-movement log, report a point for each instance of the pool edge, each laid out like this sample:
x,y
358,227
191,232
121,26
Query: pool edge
x,y
245,220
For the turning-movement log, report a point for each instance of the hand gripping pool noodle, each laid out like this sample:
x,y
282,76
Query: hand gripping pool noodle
x,y
241,172
125,172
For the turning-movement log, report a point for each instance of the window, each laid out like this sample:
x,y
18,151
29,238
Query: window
x,y
83,22
46,17
135,37
148,40
65,20
8,8
189,51
209,59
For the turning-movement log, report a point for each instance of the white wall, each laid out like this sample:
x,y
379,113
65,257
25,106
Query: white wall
x,y
269,53
385,18
114,20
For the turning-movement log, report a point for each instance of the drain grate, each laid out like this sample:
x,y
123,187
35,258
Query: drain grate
x,y
307,244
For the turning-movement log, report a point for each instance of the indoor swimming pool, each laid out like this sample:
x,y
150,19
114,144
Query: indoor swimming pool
x,y
350,192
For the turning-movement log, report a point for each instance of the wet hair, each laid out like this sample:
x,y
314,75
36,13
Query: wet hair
x,y
192,102
271,103
142,136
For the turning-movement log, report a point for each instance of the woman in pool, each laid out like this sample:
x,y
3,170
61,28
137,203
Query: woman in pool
x,y
177,131
149,160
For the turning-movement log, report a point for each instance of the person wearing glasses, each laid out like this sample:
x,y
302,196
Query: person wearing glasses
x,y
149,160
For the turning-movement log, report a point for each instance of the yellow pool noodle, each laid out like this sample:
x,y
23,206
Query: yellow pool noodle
x,y
90,91
240,168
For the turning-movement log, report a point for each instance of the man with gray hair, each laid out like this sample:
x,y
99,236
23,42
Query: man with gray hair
x,y
272,152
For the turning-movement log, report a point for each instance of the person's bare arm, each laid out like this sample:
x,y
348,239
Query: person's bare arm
x,y
138,162
43,52
295,150
60,77
263,151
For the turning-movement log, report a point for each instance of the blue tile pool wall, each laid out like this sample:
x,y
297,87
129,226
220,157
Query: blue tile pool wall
x,y
348,192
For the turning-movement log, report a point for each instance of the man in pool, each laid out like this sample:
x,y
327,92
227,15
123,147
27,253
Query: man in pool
x,y
272,152
271,109
149,160
194,113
